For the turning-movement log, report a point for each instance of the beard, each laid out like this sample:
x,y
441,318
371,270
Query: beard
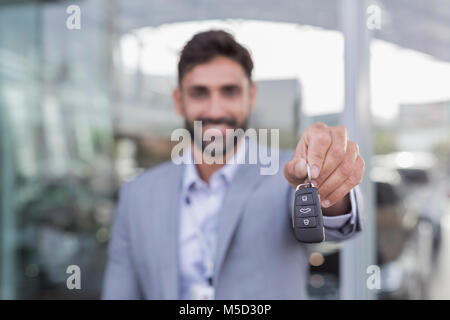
x,y
227,144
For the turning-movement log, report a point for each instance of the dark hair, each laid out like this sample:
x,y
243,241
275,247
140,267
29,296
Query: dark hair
x,y
205,46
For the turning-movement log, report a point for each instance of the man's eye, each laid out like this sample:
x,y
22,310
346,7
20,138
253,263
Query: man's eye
x,y
198,93
230,91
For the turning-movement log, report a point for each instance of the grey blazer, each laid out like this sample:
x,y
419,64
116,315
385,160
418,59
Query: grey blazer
x,y
257,256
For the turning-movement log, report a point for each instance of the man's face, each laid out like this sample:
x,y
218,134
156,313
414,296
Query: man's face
x,y
219,94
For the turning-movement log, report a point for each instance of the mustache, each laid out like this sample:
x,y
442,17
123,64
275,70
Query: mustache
x,y
224,120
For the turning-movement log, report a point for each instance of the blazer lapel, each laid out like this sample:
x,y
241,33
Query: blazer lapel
x,y
245,180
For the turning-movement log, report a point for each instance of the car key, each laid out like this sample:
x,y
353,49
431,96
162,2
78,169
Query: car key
x,y
307,218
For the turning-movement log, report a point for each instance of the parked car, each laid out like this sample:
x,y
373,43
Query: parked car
x,y
409,208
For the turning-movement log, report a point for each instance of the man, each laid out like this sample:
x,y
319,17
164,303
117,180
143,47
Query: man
x,y
209,230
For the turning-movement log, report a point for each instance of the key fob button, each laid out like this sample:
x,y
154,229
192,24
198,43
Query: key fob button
x,y
305,211
304,199
309,222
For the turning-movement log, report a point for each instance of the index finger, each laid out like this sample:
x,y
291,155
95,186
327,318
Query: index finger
x,y
318,143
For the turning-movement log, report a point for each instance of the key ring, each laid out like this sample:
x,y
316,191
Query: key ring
x,y
309,184
308,169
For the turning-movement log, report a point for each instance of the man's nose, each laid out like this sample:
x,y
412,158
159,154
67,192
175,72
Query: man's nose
x,y
216,108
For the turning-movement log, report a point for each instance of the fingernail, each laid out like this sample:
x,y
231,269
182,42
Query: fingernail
x,y
326,203
315,172
299,167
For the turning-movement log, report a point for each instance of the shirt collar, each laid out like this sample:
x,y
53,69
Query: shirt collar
x,y
192,178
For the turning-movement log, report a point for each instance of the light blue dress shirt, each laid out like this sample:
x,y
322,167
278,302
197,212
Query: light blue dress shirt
x,y
199,205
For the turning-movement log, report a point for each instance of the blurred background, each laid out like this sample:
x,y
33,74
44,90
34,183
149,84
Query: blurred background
x,y
84,110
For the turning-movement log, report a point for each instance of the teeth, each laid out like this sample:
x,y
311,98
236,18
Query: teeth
x,y
219,127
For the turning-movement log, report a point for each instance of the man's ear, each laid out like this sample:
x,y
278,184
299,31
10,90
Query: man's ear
x,y
176,96
253,92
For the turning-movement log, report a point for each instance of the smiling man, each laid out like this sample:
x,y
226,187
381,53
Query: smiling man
x,y
223,231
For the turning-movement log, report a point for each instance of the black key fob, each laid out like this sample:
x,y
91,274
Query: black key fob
x,y
307,218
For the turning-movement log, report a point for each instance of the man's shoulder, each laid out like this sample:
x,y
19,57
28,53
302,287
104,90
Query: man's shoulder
x,y
153,176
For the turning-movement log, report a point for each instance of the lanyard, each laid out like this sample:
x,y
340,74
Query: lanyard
x,y
207,247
